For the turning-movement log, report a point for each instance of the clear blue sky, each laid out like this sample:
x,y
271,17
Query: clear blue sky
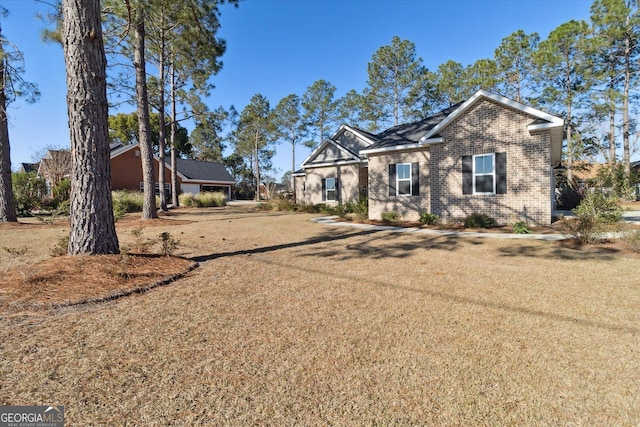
x,y
278,47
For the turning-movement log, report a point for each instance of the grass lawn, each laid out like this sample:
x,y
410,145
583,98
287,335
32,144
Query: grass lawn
x,y
288,322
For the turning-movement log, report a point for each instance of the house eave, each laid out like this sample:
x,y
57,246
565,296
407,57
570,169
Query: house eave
x,y
431,141
328,164
544,126
412,146
205,181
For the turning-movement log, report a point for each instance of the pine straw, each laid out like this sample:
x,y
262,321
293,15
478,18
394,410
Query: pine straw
x,y
64,281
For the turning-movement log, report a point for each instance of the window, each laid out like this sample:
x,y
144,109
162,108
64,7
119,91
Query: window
x,y
483,174
331,189
330,192
403,176
404,179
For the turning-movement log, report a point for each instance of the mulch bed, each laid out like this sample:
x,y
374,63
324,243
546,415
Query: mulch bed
x,y
66,281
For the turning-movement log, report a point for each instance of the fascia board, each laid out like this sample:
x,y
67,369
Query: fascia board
x,y
121,150
542,126
411,146
339,163
207,181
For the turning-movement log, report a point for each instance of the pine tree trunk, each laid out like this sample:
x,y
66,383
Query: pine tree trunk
x,y
7,204
174,161
144,134
626,153
612,124
92,223
161,131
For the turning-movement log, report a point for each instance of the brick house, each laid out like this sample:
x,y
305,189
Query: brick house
x,y
194,176
489,154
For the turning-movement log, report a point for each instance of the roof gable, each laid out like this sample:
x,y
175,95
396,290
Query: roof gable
x,y
345,146
542,120
427,131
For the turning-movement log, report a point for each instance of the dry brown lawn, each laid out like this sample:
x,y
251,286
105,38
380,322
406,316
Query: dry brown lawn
x,y
287,322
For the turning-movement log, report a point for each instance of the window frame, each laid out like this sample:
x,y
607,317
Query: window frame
x,y
326,190
476,174
404,180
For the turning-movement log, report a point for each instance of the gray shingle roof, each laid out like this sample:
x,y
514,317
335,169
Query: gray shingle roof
x,y
410,132
203,171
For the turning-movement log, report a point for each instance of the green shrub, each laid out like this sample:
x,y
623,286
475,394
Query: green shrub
x,y
428,218
168,244
583,229
308,208
596,211
391,218
603,208
127,201
211,199
479,220
61,248
360,209
202,200
520,227
188,200
27,190
325,209
62,191
64,208
279,204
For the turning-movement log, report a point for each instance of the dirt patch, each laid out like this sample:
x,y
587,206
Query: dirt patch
x,y
64,281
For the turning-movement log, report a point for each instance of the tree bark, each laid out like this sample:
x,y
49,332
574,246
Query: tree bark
x,y
161,131
149,210
7,204
626,152
92,222
174,158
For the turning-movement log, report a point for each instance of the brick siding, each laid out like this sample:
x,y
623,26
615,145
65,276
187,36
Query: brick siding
x,y
487,127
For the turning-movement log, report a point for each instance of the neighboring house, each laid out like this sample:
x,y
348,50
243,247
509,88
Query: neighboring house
x,y
194,176
489,155
29,167
54,167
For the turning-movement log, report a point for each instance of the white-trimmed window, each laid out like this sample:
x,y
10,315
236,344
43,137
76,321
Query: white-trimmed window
x,y
330,189
484,180
403,179
484,174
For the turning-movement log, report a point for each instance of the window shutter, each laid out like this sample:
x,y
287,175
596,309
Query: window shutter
x,y
337,190
501,173
324,189
392,180
415,179
467,174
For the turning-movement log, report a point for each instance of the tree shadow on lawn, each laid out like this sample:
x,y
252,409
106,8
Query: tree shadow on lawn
x,y
389,245
560,252
356,250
